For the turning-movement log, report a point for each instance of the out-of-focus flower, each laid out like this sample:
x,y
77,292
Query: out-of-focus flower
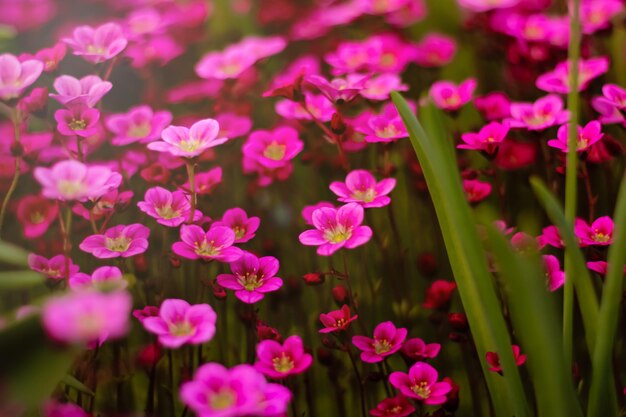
x,y
435,50
421,384
98,44
51,57
337,320
448,96
252,277
587,136
53,408
398,406
378,88
53,268
338,89
611,104
438,295
494,106
189,142
557,81
361,187
117,241
105,278
598,233
384,127
487,139
597,15
476,190
493,359
307,211
86,91
205,182
216,244
237,219
278,361
139,124
550,236
36,214
16,76
169,208
315,106
387,340
543,113
555,276
417,350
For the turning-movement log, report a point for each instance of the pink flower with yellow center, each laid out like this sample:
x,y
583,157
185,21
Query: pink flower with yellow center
x,y
586,137
216,244
420,383
189,142
361,187
252,277
387,340
273,149
542,114
598,233
98,44
279,361
118,241
448,96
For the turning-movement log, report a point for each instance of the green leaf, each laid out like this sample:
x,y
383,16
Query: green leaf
x,y
13,255
16,280
72,382
474,281
534,314
601,382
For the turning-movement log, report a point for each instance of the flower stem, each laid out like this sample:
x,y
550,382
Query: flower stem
x,y
192,187
358,377
16,175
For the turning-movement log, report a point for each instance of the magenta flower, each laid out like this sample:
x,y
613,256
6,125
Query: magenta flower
x,y
435,50
16,76
104,205
233,125
421,384
361,187
387,341
72,180
86,92
338,89
337,320
82,317
99,44
337,228
597,15
418,350
240,391
117,241
77,120
53,408
169,208
252,277
557,81
36,214
611,104
384,127
51,57
587,136
378,88
180,323
272,149
601,267
216,244
550,236
398,406
205,182
53,268
237,219
279,361
543,113
487,139
189,142
307,211
599,233
144,313
493,359
139,124
448,96
494,106
555,276
480,6
316,106
476,190
229,64
105,278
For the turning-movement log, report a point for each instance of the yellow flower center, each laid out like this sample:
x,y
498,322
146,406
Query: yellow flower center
x,y
207,248
366,196
389,131
180,329
118,244
222,400
98,50
601,237
250,281
76,124
36,217
190,145
382,346
139,131
275,151
283,363
70,189
337,234
422,389
167,212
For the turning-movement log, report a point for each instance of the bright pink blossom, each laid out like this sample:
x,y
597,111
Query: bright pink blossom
x,y
337,320
36,214
216,244
87,316
105,278
417,350
543,113
117,241
189,142
494,106
421,384
180,323
487,139
361,187
16,76
597,15
252,277
86,91
72,180
550,236
53,268
384,127
598,233
557,81
139,124
601,267
53,408
51,57
435,50
77,120
555,276
237,219
307,211
205,182
272,149
480,6
398,406
278,361
587,136
337,228
98,44
240,391
169,208
493,359
448,96
233,125
387,340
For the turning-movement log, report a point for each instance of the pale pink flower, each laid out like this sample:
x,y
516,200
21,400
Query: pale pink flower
x,y
117,241
86,91
98,44
421,384
448,96
587,136
278,361
315,106
361,187
180,323
169,208
379,88
237,219
139,124
16,76
189,142
252,277
216,244
387,340
53,268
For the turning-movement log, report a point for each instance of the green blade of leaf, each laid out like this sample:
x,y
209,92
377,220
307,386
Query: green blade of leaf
x,y
16,280
13,255
467,259
72,382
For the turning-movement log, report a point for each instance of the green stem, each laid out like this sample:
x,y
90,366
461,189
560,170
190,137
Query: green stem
x,y
192,187
16,175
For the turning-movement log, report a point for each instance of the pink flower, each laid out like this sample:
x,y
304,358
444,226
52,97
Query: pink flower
x,y
597,15
180,323
487,139
307,211
476,190
77,120
448,96
557,81
240,391
338,89
435,50
494,360
233,125
216,244
169,208
587,136
252,277
139,124
144,313
494,106
86,92
205,182
72,180
480,6
515,155
189,142
53,408
104,205
599,233
36,214
272,149
361,187
105,278
16,76
385,127
337,228
417,350
387,341
53,268
550,236
51,57
337,320
279,361
421,384
99,44
81,317
438,295
117,241
316,106
543,113
398,406
601,267
237,219
554,274
378,88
